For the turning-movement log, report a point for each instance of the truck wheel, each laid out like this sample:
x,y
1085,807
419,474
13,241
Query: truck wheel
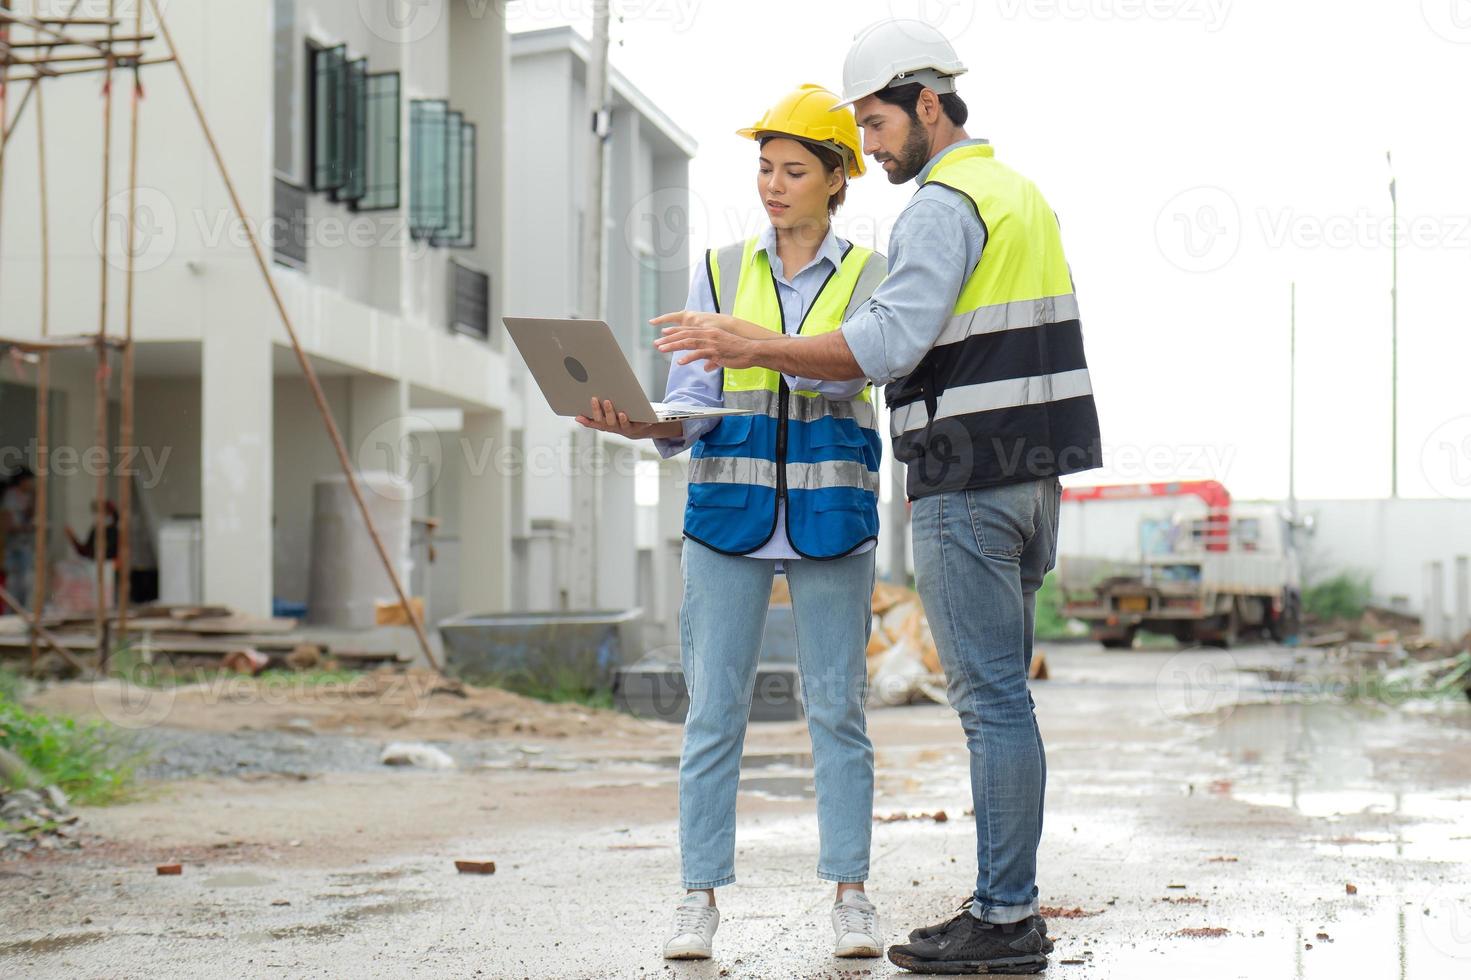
x,y
1222,631
1118,641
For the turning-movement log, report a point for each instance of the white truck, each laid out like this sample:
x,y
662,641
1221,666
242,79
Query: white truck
x,y
1213,574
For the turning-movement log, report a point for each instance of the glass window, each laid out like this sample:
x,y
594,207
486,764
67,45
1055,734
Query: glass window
x,y
329,118
428,167
355,155
381,168
466,210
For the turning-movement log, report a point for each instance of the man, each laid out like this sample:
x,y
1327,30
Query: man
x,y
976,333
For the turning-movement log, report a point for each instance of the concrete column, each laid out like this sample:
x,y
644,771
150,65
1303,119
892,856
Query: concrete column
x,y
376,427
617,526
896,525
485,513
1433,624
1463,599
379,439
236,475
668,546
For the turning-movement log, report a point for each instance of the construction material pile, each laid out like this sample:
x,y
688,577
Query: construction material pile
x,y
903,664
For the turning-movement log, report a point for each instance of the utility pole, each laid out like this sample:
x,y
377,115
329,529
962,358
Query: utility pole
x,y
598,121
1393,331
587,490
1292,409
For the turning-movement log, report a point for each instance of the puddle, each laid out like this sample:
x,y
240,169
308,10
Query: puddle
x,y
52,944
237,879
1356,764
1428,937
797,787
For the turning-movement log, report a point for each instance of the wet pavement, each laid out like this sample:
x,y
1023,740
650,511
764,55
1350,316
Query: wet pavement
x,y
1210,815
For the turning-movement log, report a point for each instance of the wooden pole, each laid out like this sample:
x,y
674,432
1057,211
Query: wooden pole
x,y
99,522
45,634
43,400
308,372
125,439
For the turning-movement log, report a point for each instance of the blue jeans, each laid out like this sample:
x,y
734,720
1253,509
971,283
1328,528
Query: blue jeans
x,y
979,558
721,622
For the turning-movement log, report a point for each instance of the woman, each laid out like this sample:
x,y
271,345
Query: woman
x,y
791,486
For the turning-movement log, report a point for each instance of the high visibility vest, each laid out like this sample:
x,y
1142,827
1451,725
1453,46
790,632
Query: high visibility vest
x,y
1004,395
821,456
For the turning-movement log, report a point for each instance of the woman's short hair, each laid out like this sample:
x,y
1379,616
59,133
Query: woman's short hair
x,y
829,158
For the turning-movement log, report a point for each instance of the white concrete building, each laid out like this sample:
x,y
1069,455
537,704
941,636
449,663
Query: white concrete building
x,y
582,539
354,127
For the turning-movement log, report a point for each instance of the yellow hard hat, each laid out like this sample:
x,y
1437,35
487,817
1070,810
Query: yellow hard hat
x,y
812,113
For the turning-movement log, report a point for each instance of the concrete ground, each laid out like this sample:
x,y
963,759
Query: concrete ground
x,y
1209,816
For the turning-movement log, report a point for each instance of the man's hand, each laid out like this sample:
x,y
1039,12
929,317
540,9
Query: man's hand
x,y
741,328
718,340
605,418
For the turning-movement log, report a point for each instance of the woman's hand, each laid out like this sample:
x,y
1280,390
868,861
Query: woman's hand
x,y
605,418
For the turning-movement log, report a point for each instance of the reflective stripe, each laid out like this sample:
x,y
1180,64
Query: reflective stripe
x,y
807,409
1011,393
1009,316
733,469
762,401
803,408
800,476
728,265
831,473
873,273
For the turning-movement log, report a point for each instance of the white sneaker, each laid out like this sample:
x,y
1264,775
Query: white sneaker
x,y
856,924
695,921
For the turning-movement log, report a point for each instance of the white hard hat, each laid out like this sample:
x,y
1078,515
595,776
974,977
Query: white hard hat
x,y
901,52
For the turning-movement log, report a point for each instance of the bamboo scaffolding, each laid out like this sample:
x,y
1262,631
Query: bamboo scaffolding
x,y
43,400
60,32
124,556
99,516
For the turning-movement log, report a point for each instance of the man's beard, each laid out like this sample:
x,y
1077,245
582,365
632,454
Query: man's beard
x,y
912,156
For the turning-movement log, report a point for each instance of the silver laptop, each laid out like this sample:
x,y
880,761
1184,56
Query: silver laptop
x,y
575,361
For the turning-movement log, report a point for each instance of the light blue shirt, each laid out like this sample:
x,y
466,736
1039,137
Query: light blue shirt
x,y
934,247
691,384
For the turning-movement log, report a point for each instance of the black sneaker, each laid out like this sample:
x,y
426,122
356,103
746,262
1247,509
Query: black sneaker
x,y
925,932
965,944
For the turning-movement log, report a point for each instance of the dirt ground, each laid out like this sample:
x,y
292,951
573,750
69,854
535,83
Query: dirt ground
x,y
1207,813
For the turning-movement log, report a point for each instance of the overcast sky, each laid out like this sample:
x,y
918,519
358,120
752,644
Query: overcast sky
x,y
1202,155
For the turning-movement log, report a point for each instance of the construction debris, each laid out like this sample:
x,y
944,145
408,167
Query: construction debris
x,y
903,662
36,818
939,816
416,754
245,661
475,867
169,869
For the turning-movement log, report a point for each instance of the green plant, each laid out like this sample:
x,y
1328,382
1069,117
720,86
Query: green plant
x,y
86,759
10,684
1343,596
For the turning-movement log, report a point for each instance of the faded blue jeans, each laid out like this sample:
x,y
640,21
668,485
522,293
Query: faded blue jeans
x,y
979,558
721,622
